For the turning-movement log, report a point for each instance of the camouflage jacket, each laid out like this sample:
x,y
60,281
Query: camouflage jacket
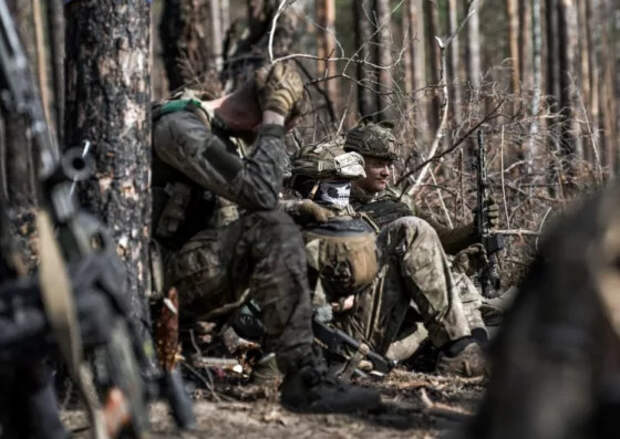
x,y
388,205
198,170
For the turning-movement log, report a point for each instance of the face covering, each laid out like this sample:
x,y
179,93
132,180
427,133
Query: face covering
x,y
334,194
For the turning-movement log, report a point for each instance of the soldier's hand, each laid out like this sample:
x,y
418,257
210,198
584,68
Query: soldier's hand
x,y
471,260
492,213
309,210
491,209
279,88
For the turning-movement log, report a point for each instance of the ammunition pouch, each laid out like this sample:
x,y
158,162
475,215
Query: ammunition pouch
x,y
344,253
174,210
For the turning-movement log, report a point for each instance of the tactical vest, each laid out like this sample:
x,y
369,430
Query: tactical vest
x,y
383,212
181,208
343,252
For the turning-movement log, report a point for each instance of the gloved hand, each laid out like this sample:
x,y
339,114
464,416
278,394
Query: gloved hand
x,y
309,210
492,213
471,260
279,88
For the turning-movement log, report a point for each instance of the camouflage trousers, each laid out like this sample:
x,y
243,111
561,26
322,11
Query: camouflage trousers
x,y
415,275
262,252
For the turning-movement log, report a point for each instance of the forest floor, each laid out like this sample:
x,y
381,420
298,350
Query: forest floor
x,y
415,405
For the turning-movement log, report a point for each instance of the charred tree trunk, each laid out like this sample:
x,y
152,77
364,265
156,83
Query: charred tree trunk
x,y
384,58
185,42
19,171
366,98
108,98
56,31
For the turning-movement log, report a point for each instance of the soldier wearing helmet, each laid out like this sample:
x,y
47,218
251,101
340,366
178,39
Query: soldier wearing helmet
x,y
383,203
196,156
371,278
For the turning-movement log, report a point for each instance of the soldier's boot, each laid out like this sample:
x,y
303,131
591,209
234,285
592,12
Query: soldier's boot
x,y
312,390
464,358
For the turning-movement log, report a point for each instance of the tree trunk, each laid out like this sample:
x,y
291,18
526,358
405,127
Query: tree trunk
x,y
408,39
225,16
108,100
567,26
19,179
513,38
608,93
216,34
532,151
56,32
432,29
474,69
326,48
525,45
366,98
454,65
418,46
384,58
185,42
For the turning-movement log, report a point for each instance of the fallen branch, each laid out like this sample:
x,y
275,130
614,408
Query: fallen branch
x,y
445,410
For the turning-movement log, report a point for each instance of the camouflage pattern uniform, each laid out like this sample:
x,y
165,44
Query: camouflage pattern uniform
x,y
262,250
412,266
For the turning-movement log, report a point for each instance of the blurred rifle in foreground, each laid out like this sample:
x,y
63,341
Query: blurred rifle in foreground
x,y
67,236
489,277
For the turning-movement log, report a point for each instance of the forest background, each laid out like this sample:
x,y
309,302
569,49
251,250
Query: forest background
x,y
540,77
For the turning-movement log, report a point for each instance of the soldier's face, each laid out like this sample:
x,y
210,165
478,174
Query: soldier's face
x,y
378,173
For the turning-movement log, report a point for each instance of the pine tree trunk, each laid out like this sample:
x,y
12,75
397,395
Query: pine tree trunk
x,y
108,100
416,18
19,176
567,27
513,38
56,32
366,98
473,47
608,93
384,58
525,44
185,42
454,65
432,29
326,48
532,151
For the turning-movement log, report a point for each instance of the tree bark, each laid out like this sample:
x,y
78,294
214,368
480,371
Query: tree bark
x,y
416,18
608,93
567,25
366,98
185,42
431,16
326,48
108,100
19,179
532,151
384,58
513,38
473,47
216,34
525,45
56,32
454,65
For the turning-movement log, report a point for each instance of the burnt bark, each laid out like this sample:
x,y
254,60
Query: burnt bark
x,y
108,100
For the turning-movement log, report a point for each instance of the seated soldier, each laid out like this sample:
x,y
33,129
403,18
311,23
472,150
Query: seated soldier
x,y
214,269
404,263
383,203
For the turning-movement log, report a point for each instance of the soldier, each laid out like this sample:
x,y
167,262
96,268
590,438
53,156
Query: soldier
x,y
28,403
404,263
216,268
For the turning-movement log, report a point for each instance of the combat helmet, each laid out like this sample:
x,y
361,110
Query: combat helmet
x,y
328,160
371,139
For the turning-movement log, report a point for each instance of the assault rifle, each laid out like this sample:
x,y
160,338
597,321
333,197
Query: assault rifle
x,y
339,342
489,277
67,234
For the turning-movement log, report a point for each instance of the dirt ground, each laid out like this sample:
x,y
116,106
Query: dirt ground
x,y
415,405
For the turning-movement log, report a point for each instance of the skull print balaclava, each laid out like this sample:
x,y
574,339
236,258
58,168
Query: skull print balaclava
x,y
334,194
